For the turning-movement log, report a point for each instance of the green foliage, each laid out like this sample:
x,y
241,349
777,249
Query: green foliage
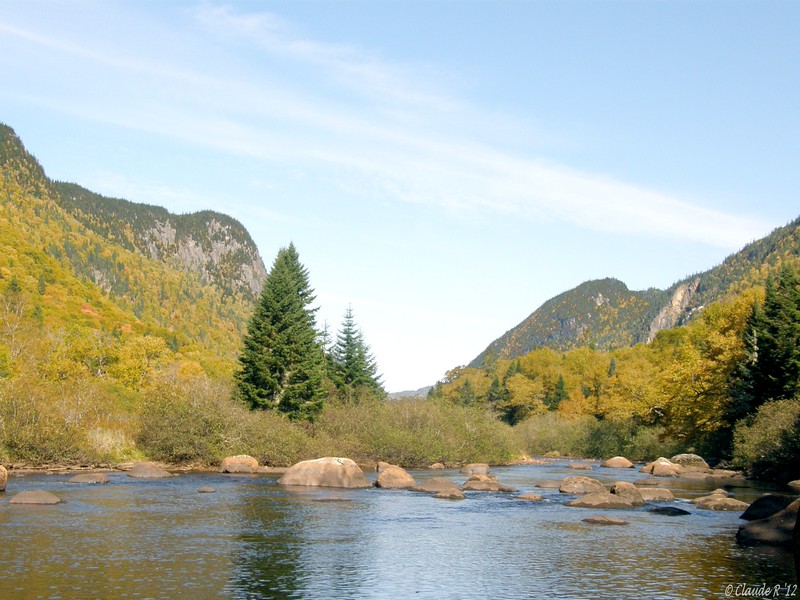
x,y
352,367
281,362
767,445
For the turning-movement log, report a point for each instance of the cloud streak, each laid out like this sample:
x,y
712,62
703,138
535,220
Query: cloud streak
x,y
384,126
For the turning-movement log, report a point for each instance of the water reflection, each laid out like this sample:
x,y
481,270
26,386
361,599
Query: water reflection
x,y
255,539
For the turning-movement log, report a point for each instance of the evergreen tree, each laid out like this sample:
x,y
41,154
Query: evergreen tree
x,y
557,394
353,365
281,361
771,369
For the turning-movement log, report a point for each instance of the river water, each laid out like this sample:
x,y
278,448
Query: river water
x,y
252,539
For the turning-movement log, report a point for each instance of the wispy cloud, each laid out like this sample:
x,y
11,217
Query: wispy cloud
x,y
385,125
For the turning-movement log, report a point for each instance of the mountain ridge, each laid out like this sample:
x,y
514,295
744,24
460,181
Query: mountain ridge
x,y
604,313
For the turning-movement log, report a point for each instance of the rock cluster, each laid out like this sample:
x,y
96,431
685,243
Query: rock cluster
x,y
687,465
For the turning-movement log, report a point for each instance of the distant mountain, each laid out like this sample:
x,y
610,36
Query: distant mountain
x,y
606,314
420,393
86,261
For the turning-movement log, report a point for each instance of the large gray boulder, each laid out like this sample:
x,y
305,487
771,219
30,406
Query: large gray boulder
x,y
241,463
329,471
3,478
777,530
35,497
148,470
578,484
392,476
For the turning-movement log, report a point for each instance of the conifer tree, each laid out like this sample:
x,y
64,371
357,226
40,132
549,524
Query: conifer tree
x,y
352,364
281,361
771,370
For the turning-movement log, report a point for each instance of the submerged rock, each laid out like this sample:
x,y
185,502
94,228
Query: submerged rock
x,y
455,494
604,520
530,497
89,478
580,467
326,472
35,497
206,490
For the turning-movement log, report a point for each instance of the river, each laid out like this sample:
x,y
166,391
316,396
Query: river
x,y
252,538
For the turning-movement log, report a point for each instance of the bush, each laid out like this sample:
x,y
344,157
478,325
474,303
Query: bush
x,y
767,444
587,437
414,433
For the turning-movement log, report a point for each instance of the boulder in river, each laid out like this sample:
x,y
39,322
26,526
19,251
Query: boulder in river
x,y
530,497
89,478
669,511
329,471
485,483
454,494
656,495
617,462
719,502
35,497
148,470
628,492
241,463
578,484
392,476
794,485
766,506
662,467
436,485
690,461
3,478
600,500
777,530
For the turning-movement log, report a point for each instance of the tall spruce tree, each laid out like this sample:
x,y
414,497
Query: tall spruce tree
x,y
353,366
771,370
281,361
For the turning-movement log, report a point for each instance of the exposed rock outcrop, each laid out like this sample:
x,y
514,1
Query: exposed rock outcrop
x,y
672,313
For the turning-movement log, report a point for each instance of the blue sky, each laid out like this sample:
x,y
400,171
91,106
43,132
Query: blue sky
x,y
445,167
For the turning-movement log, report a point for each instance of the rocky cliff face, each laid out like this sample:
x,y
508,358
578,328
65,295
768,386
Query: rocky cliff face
x,y
676,310
215,247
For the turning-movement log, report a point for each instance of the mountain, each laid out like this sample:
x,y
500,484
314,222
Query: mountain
x,y
94,263
606,314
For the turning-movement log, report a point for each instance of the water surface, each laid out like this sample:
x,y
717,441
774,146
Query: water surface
x,y
254,539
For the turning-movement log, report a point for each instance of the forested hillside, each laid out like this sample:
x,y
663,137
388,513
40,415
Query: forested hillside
x,y
604,314
95,265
